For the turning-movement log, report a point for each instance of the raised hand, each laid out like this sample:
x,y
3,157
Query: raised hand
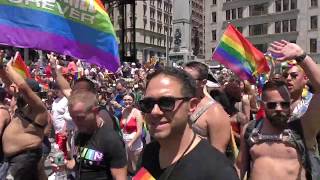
x,y
284,50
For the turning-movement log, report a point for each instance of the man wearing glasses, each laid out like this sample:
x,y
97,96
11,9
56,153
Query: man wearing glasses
x,y
278,147
177,153
209,120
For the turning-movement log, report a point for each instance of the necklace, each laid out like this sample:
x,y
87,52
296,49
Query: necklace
x,y
183,154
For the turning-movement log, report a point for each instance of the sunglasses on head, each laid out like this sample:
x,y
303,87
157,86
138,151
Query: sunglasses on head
x,y
166,103
273,105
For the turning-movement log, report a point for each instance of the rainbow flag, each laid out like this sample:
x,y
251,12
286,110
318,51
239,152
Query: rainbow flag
x,y
79,28
143,174
77,75
20,66
238,54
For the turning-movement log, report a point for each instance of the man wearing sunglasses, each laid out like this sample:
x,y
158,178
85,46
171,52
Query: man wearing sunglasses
x,y
209,119
282,146
177,153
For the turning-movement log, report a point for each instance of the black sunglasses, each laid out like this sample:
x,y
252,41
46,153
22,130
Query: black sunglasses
x,y
166,103
293,75
273,105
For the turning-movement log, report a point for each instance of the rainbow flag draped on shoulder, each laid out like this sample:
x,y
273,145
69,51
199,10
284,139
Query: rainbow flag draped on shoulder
x,y
79,28
238,54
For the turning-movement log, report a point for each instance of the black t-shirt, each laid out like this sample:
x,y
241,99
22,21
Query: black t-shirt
x,y
99,152
203,162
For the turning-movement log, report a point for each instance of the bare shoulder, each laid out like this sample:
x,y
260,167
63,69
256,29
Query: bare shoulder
x,y
310,120
41,117
217,115
4,114
242,118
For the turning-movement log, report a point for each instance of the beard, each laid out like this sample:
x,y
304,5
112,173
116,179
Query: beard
x,y
278,120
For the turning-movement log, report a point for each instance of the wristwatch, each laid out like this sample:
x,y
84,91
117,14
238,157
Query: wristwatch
x,y
301,58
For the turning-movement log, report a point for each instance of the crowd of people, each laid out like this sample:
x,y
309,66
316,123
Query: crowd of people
x,y
170,123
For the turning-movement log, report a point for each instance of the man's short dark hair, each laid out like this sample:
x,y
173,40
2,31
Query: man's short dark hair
x,y
33,84
201,68
90,85
122,82
3,94
188,83
274,84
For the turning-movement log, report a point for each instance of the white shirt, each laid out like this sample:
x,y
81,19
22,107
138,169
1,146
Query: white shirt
x,y
60,114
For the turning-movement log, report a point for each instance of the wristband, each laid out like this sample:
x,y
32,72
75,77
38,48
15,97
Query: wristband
x,y
301,58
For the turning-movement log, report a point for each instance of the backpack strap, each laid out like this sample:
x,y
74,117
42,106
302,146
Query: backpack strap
x,y
296,126
252,126
195,116
252,129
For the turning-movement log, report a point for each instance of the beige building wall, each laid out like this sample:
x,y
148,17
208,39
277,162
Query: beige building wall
x,y
265,21
153,28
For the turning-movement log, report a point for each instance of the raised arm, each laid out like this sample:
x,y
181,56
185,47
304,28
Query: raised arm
x,y
288,51
310,120
32,99
57,75
3,74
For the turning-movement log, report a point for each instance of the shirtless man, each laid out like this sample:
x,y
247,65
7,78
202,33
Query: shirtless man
x,y
22,138
277,148
213,123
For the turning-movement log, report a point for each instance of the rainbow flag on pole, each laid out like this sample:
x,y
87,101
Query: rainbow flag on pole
x,y
20,66
238,54
79,28
143,174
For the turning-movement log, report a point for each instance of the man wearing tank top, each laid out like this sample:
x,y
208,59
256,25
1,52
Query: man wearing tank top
x,y
209,119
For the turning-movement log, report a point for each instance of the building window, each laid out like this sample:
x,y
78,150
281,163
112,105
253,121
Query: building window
x,y
152,14
213,49
258,9
293,4
277,27
214,17
258,29
313,45
285,5
240,12
314,22
214,2
144,10
293,25
152,26
227,14
240,29
314,3
262,47
285,26
234,14
278,6
214,35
